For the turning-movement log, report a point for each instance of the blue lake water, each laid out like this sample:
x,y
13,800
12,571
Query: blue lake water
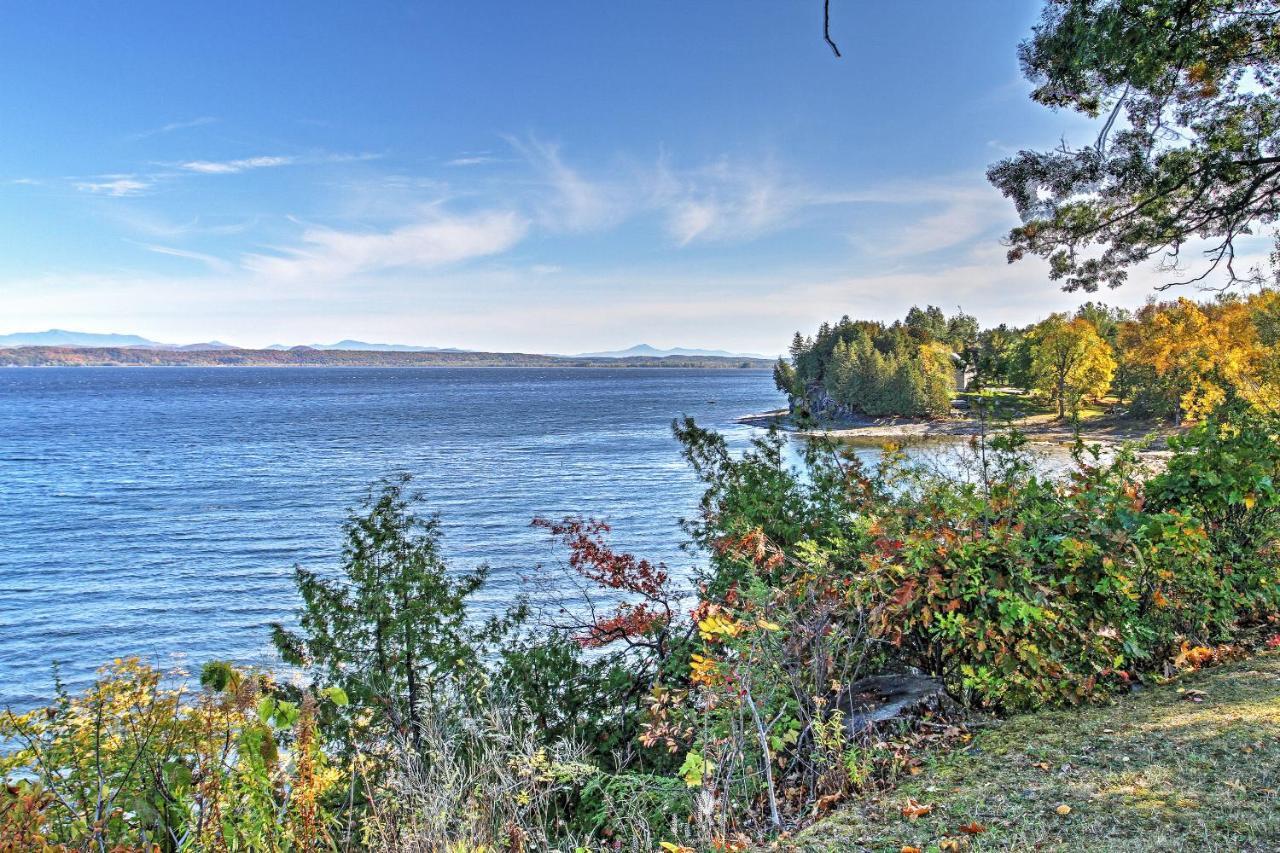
x,y
159,511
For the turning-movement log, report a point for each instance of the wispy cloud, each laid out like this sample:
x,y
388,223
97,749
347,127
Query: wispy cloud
x,y
116,186
172,126
214,263
231,167
572,202
472,160
435,241
928,215
726,201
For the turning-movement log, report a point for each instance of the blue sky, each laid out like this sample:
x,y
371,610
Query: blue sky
x,y
558,176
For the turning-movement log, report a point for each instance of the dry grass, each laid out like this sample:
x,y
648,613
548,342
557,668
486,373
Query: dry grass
x,y
1149,772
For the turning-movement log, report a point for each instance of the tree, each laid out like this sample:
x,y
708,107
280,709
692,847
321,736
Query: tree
x,y
1188,94
1069,361
1197,357
998,355
785,379
927,325
962,333
393,628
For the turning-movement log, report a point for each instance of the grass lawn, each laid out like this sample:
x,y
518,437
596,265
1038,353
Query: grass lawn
x,y
1007,402
1152,771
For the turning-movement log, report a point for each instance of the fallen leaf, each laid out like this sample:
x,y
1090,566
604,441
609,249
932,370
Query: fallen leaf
x,y
907,848
1063,809
1043,765
913,809
827,803
973,828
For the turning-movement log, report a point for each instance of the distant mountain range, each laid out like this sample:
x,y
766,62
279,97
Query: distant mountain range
x,y
64,338
364,346
646,351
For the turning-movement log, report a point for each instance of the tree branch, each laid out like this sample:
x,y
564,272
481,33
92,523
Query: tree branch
x,y
826,27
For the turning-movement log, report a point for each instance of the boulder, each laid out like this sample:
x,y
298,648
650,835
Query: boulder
x,y
880,698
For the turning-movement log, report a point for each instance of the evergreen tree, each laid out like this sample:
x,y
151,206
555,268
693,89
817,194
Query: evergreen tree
x,y
392,628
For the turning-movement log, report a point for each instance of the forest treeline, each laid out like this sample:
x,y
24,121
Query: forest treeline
x,y
1173,360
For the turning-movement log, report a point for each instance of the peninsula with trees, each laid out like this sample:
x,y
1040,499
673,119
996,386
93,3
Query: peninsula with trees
x,y
1101,370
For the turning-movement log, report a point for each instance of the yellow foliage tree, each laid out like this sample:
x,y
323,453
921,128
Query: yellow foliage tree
x,y
1205,354
1070,361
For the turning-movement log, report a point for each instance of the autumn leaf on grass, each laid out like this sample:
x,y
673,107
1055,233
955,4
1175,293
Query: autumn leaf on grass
x,y
953,845
1193,657
907,848
1063,810
913,809
827,803
973,828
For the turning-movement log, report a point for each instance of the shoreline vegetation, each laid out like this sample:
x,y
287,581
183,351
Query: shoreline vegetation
x,y
49,356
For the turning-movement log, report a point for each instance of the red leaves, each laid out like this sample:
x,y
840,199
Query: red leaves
x,y
626,622
753,547
590,557
905,594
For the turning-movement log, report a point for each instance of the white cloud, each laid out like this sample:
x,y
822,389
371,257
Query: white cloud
x,y
959,219
727,201
573,202
116,186
330,254
231,167
474,160
173,126
212,262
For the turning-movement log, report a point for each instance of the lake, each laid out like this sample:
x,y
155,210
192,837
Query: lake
x,y
160,511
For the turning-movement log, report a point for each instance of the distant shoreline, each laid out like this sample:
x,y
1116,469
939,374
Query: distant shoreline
x,y
871,431
42,356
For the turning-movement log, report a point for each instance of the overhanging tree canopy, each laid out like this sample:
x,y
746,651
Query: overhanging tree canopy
x,y
1188,96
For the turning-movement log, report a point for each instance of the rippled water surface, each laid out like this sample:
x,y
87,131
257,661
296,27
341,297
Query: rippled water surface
x,y
160,511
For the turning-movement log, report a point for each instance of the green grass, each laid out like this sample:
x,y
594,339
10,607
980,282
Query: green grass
x,y
1148,772
1004,402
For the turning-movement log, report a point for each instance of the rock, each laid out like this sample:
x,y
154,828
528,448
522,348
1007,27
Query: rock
x,y
880,698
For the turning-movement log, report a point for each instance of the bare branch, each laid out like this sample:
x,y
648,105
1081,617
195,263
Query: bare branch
x,y
826,27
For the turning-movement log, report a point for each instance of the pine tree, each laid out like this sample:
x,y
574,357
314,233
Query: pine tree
x,y
393,627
